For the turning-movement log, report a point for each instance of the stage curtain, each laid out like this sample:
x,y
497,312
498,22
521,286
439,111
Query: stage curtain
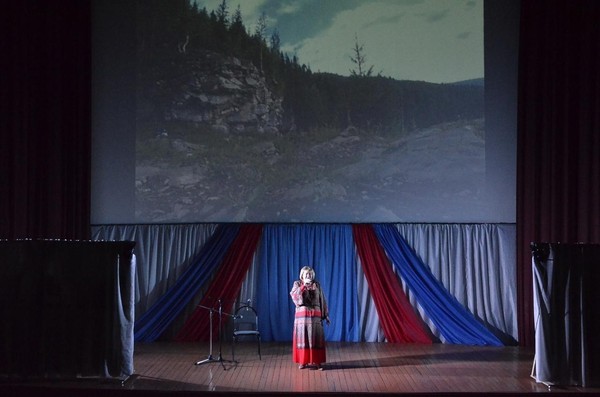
x,y
45,120
159,316
474,262
558,166
284,250
398,318
455,323
567,321
166,252
224,288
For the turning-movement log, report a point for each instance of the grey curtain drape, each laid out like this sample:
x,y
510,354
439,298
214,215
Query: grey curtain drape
x,y
567,324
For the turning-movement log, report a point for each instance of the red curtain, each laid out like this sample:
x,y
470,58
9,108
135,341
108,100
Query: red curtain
x,y
558,165
225,286
397,317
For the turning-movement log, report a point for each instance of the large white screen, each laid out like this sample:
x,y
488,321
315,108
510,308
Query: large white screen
x,y
190,126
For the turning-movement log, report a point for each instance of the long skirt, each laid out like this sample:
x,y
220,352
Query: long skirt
x,y
309,337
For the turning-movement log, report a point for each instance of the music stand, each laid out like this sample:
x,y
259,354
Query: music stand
x,y
210,357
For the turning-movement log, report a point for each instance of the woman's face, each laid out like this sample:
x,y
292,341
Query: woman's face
x,y
307,277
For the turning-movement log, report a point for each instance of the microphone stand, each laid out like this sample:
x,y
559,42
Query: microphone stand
x,y
210,357
210,349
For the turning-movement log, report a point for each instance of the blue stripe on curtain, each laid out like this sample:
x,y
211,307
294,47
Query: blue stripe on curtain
x,y
455,323
284,250
159,316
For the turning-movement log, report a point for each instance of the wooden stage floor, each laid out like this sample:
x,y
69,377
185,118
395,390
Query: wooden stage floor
x,y
166,368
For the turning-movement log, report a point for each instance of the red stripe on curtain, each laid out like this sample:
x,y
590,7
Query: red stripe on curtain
x,y
398,319
225,286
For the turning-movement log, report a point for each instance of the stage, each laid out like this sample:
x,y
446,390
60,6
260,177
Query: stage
x,y
168,368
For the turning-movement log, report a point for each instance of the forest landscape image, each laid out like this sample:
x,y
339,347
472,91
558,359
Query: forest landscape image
x,y
306,111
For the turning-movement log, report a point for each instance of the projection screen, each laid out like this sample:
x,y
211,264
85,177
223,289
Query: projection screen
x,y
315,111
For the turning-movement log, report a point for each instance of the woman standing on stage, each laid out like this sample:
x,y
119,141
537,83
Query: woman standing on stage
x,y
311,310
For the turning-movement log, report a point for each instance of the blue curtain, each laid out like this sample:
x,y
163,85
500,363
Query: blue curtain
x,y
159,316
284,250
456,324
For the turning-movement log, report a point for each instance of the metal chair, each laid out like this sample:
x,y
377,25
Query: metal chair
x,y
245,324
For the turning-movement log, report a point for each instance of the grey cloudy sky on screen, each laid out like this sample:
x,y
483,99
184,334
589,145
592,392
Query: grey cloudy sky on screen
x,y
439,41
